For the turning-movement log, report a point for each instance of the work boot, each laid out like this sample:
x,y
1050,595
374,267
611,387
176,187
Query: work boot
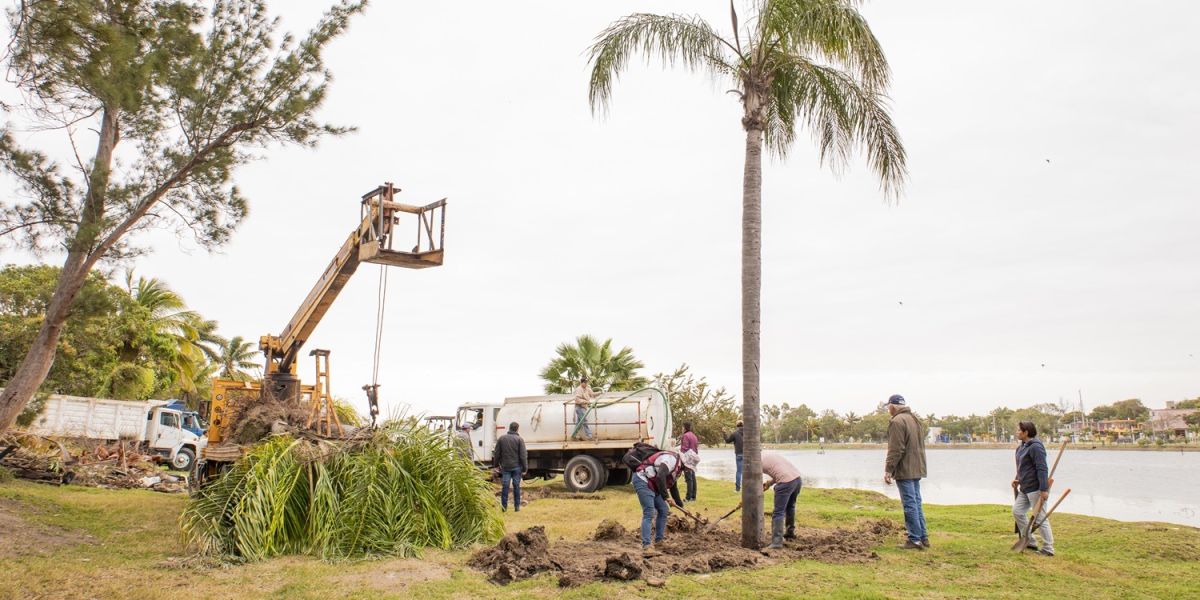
x,y
911,545
925,542
776,534
650,552
791,533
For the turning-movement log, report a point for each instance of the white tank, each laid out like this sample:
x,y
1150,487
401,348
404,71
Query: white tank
x,y
616,417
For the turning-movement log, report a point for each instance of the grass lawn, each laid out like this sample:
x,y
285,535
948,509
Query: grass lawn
x,y
75,542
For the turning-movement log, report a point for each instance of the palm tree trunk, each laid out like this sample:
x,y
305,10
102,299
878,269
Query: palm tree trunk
x,y
752,492
32,370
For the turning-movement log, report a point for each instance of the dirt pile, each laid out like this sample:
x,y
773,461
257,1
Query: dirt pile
x,y
517,556
614,553
609,530
264,418
537,493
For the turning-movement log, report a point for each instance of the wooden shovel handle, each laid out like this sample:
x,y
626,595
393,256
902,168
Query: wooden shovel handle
x,y
1051,511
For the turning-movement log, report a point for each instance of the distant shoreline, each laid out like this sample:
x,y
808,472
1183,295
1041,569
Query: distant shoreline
x,y
978,446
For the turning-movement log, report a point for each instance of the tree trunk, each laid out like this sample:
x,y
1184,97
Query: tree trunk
x,y
752,492
37,362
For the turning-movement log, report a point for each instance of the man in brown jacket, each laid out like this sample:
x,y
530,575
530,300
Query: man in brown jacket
x,y
905,465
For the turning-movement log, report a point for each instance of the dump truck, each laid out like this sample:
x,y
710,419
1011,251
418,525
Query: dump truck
x,y
155,425
547,424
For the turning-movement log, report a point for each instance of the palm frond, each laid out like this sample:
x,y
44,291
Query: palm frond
x,y
675,39
842,115
832,31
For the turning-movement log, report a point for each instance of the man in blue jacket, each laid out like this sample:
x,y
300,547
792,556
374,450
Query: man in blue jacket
x,y
1033,484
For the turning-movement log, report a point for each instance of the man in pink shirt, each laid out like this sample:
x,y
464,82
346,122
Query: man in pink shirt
x,y
687,442
786,479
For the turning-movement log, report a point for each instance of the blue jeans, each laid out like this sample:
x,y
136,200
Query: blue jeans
x,y
513,475
737,479
581,417
914,514
651,503
785,501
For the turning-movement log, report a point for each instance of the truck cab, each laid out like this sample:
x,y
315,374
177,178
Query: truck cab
x,y
167,437
479,422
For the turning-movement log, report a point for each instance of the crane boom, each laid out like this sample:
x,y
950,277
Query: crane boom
x,y
372,241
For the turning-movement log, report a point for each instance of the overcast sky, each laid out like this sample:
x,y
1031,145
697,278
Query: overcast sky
x,y
1050,218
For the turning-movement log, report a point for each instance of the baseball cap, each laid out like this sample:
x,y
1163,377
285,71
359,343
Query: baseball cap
x,y
896,399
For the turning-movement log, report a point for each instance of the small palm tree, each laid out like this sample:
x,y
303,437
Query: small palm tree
x,y
810,63
606,371
237,355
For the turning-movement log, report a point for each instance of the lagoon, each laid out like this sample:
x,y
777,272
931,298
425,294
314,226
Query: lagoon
x,y
1124,485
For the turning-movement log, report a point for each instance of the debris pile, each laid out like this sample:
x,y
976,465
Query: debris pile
x,y
115,465
614,552
529,494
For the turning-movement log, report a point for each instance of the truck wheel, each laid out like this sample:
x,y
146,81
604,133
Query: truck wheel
x,y
584,474
619,477
183,459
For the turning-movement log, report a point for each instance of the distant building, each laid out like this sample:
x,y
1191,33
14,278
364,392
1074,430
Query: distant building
x,y
1169,421
934,435
1117,426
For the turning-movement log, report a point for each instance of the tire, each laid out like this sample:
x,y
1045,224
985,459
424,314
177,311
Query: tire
x,y
584,474
619,477
184,459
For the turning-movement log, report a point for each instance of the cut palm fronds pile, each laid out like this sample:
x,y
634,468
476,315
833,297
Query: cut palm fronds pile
x,y
387,492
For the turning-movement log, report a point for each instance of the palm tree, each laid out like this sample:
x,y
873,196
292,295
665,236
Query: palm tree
x,y
155,312
236,355
607,372
814,63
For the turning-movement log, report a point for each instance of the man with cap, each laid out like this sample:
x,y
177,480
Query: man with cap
x,y
905,464
583,399
512,459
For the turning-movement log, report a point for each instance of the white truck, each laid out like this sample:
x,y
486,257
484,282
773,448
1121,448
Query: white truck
x,y
152,424
617,421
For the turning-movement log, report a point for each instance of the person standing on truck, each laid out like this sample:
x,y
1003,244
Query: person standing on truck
x,y
583,399
689,443
653,480
786,479
513,461
905,464
736,439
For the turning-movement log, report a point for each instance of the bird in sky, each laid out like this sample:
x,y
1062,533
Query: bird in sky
x,y
1047,160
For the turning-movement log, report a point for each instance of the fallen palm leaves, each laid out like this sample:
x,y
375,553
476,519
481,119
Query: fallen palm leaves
x,y
388,492
112,465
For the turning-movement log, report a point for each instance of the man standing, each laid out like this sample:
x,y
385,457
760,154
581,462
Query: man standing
x,y
736,439
513,461
583,399
462,441
786,479
1033,484
689,443
905,465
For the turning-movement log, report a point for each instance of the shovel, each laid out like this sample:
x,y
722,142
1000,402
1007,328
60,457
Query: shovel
x,y
699,522
724,516
1034,523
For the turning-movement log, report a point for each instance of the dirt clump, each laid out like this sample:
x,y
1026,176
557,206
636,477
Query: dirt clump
x,y
262,419
518,556
609,530
613,552
622,567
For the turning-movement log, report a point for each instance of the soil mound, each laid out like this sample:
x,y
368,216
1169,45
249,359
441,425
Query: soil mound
x,y
609,530
517,556
264,418
614,553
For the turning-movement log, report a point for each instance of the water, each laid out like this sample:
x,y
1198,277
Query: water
x,y
1123,485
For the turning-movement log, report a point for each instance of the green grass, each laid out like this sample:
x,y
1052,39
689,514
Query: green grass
x,y
125,543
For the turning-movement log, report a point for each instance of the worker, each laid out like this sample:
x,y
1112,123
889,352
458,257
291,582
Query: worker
x,y
462,440
905,464
786,478
689,443
736,439
583,399
1032,483
513,461
653,480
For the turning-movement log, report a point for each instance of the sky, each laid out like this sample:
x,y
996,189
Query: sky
x,y
1044,246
